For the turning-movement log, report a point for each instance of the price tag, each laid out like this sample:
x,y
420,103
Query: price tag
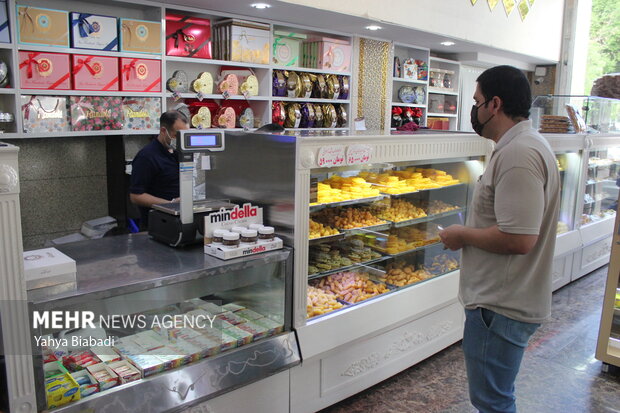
x,y
245,94
333,155
360,123
225,94
358,154
200,96
176,96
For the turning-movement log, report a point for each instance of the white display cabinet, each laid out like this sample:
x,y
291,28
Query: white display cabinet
x,y
364,342
408,84
443,94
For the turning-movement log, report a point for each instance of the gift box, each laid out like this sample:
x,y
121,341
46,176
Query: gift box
x,y
328,53
141,113
44,70
5,35
94,72
44,114
140,75
42,27
140,36
243,41
188,36
287,48
92,31
96,113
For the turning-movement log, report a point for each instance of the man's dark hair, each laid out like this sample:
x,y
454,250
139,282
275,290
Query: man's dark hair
x,y
168,118
510,85
271,127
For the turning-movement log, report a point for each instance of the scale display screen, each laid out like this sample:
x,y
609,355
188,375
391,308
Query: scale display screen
x,y
195,141
202,140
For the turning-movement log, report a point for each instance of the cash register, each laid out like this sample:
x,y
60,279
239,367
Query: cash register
x,y
182,223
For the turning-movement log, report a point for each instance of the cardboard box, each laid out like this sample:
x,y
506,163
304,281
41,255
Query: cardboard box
x,y
244,41
87,388
140,36
188,36
125,371
42,27
105,382
38,70
105,354
329,54
98,73
243,250
60,387
92,31
48,267
5,33
140,75
43,114
147,364
96,113
287,48
141,113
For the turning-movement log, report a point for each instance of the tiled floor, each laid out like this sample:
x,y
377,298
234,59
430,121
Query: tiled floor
x,y
559,372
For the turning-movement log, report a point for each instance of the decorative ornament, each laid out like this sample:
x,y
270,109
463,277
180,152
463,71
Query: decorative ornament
x,y
246,120
250,86
226,117
203,84
509,6
202,118
524,9
230,84
492,4
178,82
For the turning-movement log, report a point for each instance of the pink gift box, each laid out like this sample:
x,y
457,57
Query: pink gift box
x,y
44,70
333,54
95,72
140,75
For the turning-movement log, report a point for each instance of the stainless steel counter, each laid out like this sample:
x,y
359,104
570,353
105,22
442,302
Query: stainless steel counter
x,y
125,264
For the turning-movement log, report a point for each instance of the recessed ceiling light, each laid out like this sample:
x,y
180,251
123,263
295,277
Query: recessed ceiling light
x,y
373,27
260,6
447,43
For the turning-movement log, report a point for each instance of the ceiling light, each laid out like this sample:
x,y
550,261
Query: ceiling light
x,y
260,6
373,27
448,43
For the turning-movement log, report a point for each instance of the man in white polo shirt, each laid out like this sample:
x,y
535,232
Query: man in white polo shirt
x,y
508,242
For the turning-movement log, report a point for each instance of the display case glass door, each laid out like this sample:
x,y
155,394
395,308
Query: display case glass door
x,y
601,185
374,230
569,164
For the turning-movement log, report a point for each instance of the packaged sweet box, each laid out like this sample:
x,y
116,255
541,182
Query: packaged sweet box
x,y
96,113
42,27
287,48
92,31
140,36
39,70
5,34
43,114
95,72
243,41
141,113
327,53
140,75
188,36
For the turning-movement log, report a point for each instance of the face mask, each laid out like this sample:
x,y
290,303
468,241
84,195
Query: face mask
x,y
475,123
173,141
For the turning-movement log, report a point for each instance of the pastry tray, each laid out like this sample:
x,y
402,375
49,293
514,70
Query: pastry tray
x,y
348,202
382,251
329,238
378,227
347,268
421,190
427,218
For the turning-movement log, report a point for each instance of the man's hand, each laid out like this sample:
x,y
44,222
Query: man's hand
x,y
452,237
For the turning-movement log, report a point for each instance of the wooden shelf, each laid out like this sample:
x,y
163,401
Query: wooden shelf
x,y
309,100
442,91
192,95
53,49
310,70
402,80
87,93
409,105
214,62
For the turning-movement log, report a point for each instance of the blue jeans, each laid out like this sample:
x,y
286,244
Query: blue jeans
x,y
493,346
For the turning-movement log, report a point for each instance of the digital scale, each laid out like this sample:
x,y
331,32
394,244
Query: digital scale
x,y
182,223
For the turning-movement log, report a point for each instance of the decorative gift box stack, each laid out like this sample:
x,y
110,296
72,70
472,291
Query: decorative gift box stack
x,y
64,71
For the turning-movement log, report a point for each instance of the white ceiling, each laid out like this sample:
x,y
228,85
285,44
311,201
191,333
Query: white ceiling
x,y
466,52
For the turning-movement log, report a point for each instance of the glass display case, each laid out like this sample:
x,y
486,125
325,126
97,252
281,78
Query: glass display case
x,y
575,114
174,325
374,229
600,199
569,165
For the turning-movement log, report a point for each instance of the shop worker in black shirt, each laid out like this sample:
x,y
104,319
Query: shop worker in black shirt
x,y
155,169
